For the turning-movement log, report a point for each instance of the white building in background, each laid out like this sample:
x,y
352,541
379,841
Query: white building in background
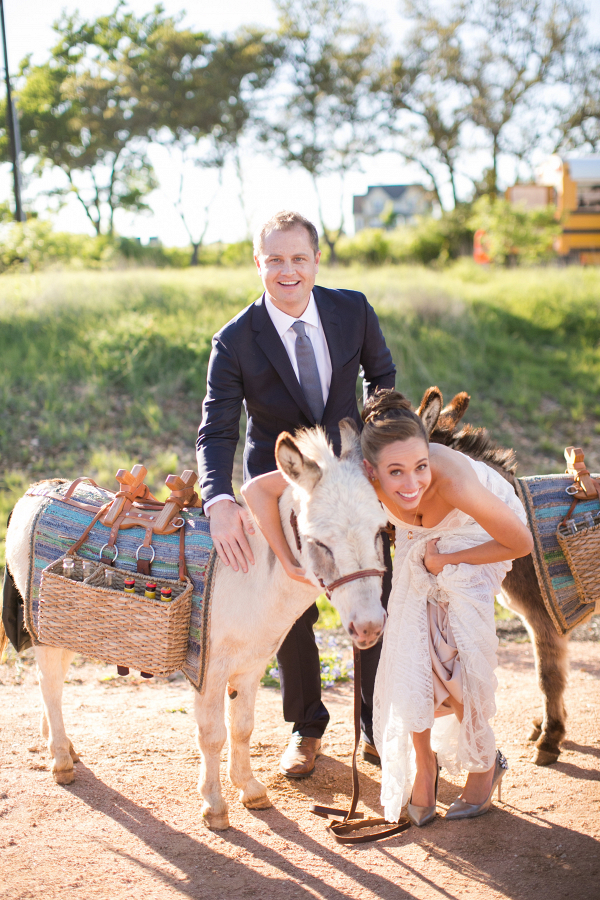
x,y
406,201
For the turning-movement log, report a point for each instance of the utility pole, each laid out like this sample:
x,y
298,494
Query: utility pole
x,y
13,123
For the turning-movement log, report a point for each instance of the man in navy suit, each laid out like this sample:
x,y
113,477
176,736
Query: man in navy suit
x,y
292,358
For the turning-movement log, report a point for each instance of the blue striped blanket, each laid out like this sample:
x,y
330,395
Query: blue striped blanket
x,y
58,526
546,504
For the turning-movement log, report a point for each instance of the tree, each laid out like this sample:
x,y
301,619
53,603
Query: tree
x,y
203,93
431,122
579,113
321,119
474,74
78,114
513,233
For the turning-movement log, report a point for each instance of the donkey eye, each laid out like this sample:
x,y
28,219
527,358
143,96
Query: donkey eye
x,y
316,543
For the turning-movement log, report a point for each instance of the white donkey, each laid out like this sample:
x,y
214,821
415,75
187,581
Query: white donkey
x,y
339,520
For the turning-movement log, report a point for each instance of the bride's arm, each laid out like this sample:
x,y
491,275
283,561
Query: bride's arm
x,y
511,538
262,496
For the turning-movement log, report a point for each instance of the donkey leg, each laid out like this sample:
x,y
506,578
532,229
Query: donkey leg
x,y
551,662
521,594
67,658
253,794
52,667
209,709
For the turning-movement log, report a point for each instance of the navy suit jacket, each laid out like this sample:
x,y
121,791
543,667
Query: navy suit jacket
x,y
249,364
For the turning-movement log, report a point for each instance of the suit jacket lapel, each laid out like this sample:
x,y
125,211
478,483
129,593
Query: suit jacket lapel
x,y
272,346
331,322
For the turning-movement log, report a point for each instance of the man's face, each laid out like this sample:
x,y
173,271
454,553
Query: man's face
x,y
288,267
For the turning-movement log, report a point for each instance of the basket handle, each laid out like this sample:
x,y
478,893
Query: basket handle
x,y
73,550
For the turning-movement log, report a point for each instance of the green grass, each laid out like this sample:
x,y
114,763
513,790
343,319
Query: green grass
x,y
104,369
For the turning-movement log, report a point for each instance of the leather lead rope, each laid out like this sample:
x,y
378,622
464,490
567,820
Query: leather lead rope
x,y
353,821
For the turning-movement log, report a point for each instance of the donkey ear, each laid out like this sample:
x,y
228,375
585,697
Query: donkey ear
x,y
430,408
451,415
350,440
295,467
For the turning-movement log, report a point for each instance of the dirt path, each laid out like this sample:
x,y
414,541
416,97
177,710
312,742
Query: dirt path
x,y
129,825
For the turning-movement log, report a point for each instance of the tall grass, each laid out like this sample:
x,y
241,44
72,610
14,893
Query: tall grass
x,y
103,369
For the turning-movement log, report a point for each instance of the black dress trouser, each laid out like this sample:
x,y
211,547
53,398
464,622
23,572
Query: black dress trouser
x,y
300,674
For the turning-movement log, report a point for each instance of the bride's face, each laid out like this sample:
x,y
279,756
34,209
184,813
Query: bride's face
x,y
404,472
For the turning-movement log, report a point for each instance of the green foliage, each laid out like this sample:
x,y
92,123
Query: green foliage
x,y
34,245
328,614
429,241
513,233
107,368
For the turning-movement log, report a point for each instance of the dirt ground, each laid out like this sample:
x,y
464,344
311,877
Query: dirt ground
x,y
129,825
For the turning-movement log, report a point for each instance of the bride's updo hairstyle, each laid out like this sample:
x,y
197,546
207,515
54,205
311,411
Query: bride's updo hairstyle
x,y
388,417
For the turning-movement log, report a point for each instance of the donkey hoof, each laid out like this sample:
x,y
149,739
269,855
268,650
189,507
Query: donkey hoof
x,y
254,795
544,757
74,753
63,776
258,803
215,821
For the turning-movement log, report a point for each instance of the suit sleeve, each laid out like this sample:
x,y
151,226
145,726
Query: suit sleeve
x,y
375,359
219,430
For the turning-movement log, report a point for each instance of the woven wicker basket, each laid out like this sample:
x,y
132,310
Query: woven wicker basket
x,y
582,552
112,626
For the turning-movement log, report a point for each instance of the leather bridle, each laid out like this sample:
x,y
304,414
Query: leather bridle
x,y
342,830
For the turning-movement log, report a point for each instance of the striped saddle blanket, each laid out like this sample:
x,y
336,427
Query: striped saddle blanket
x,y
58,526
546,504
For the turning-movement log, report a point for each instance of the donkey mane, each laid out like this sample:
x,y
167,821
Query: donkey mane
x,y
313,443
477,443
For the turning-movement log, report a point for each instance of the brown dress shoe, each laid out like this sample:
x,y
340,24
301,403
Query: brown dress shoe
x,y
298,761
369,753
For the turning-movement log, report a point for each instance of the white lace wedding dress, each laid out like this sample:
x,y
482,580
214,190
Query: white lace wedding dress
x,y
429,616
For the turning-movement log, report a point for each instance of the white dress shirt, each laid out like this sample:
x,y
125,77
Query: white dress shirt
x,y
314,330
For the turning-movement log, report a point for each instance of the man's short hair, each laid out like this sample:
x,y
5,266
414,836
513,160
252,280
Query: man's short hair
x,y
285,221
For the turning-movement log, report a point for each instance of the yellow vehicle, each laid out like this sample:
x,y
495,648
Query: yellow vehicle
x,y
574,186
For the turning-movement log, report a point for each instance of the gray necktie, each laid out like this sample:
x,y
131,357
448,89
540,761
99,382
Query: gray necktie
x,y
308,371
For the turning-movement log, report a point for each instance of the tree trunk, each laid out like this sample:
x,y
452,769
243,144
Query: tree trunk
x,y
195,250
494,191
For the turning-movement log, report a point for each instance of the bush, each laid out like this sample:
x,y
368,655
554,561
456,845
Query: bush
x,y
430,240
514,234
34,244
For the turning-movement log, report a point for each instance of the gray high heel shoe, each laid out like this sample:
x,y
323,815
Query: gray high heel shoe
x,y
422,815
462,810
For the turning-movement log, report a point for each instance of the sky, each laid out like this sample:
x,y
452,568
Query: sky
x,y
268,188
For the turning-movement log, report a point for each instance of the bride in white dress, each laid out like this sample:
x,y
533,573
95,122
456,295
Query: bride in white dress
x,y
458,525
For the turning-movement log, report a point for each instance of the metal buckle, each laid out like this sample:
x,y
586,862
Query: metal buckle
x,y
571,490
137,553
114,547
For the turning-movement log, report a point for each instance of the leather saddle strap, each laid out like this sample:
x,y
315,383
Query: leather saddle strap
x,y
144,566
353,821
78,481
183,572
73,550
577,500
